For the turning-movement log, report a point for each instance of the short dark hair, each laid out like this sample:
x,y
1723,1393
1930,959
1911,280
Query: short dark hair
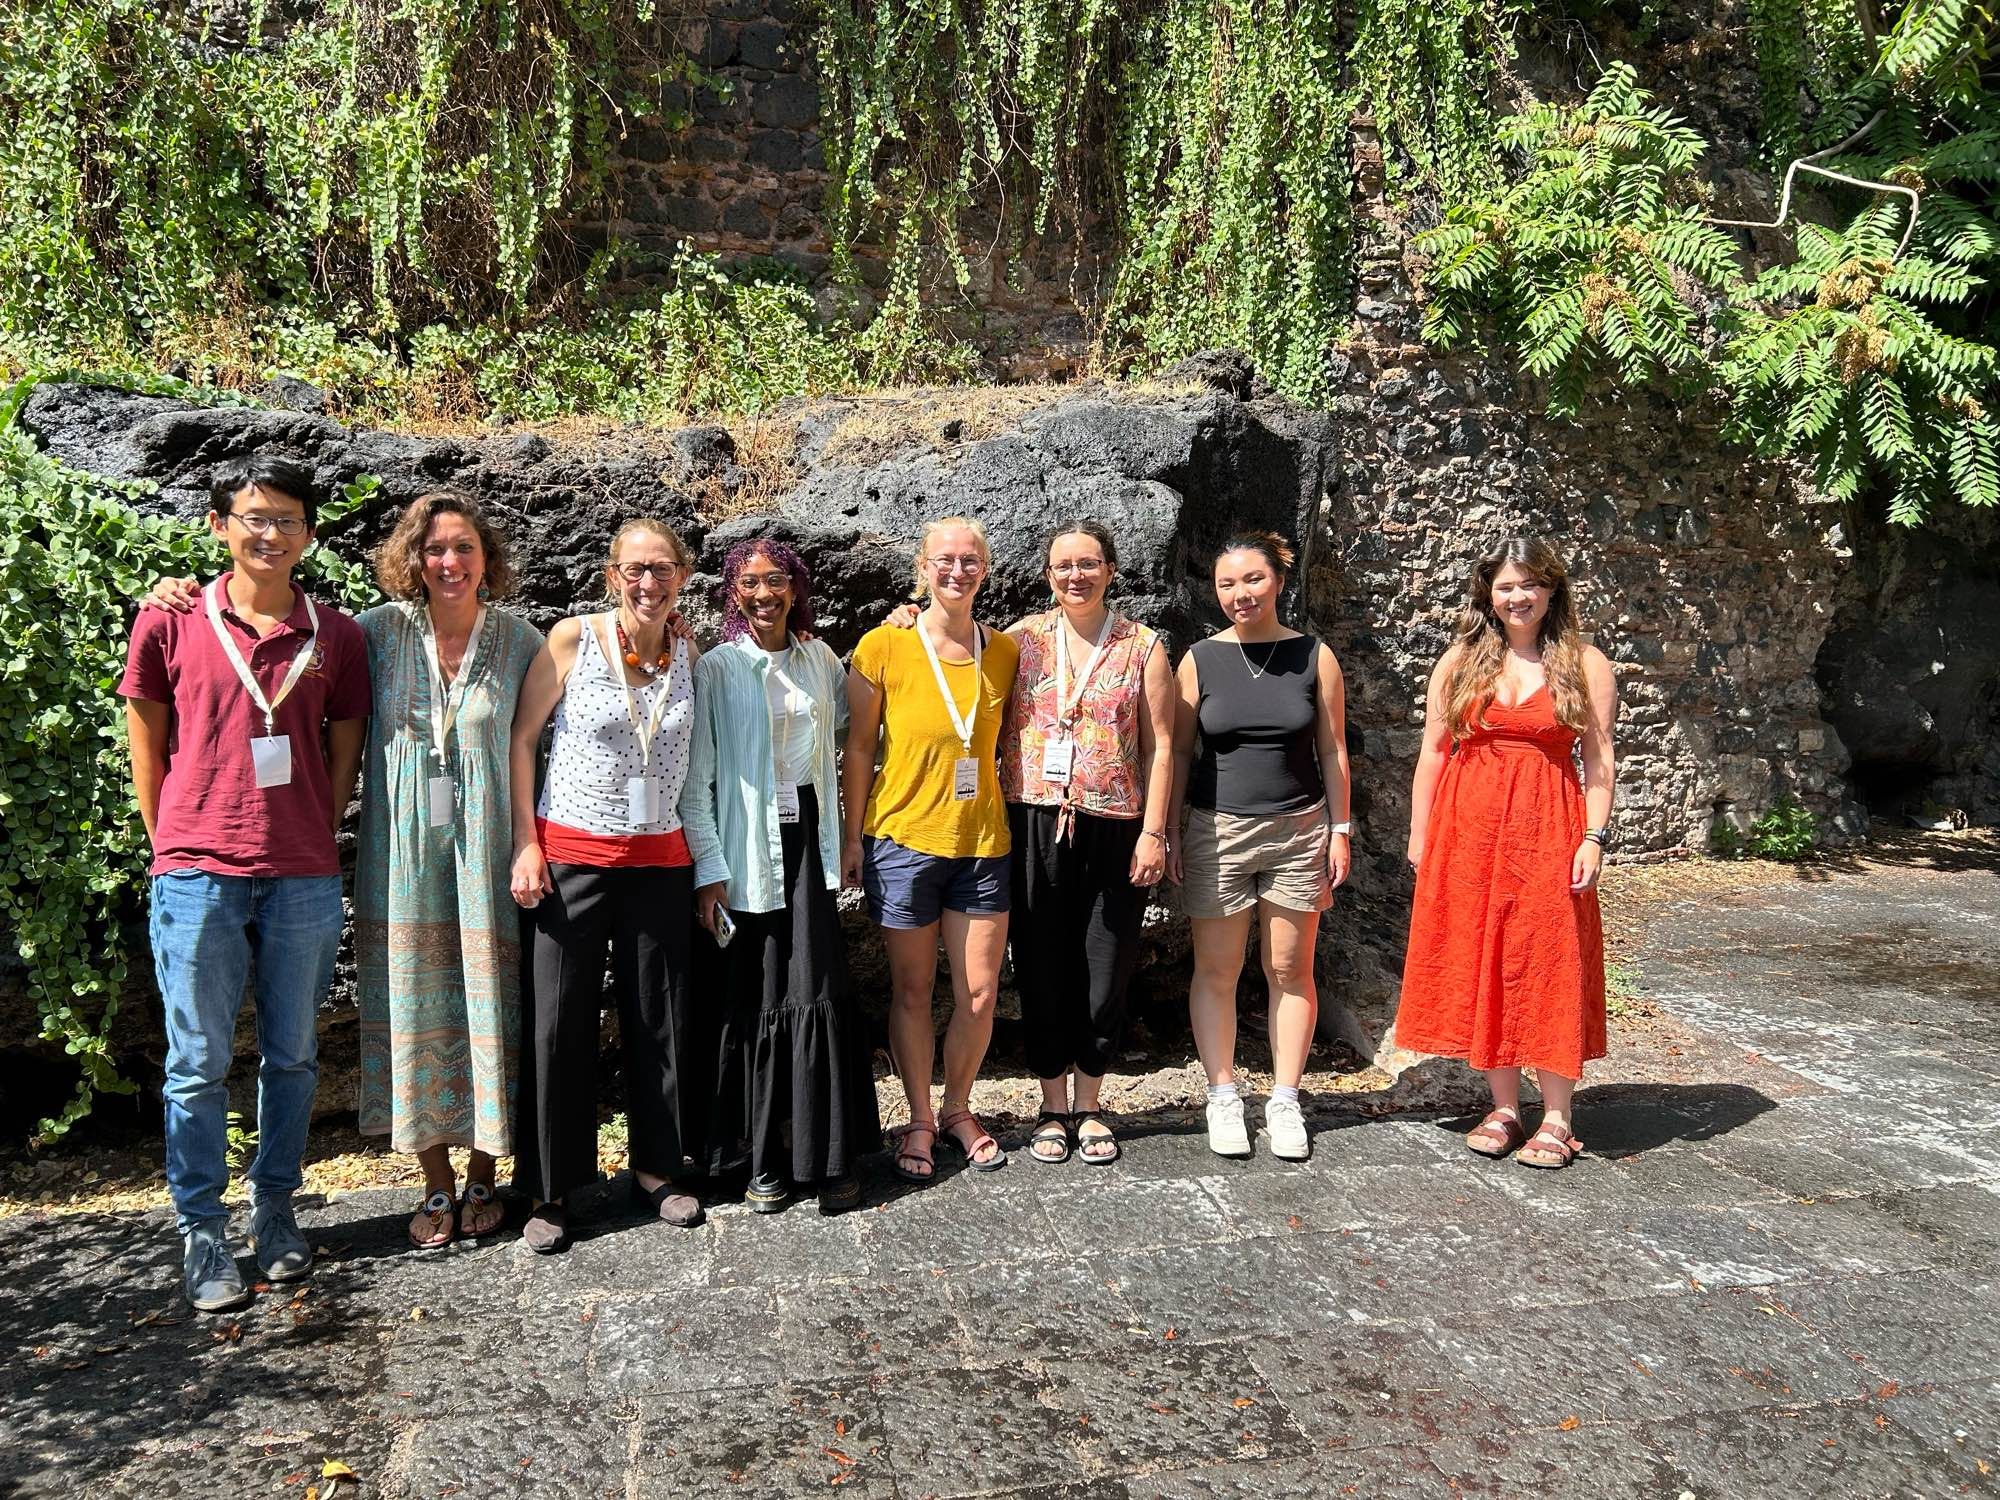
x,y
266,471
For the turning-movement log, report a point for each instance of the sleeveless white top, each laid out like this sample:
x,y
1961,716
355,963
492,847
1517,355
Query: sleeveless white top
x,y
595,749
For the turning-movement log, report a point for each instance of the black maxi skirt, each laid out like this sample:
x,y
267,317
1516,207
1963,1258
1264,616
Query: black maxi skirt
x,y
791,1048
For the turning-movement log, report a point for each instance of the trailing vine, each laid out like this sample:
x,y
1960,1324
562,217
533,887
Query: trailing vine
x,y
1226,126
73,552
372,164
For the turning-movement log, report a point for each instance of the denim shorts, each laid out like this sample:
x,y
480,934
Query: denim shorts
x,y
908,889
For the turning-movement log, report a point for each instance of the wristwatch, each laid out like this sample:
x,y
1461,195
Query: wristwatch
x,y
1346,828
1598,836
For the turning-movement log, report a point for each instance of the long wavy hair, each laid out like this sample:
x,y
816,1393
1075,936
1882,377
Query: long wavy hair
x,y
798,618
1479,643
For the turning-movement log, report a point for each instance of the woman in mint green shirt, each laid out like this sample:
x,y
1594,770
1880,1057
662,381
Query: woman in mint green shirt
x,y
761,811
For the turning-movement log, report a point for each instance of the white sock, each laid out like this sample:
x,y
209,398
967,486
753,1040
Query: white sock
x,y
1219,1093
1285,1091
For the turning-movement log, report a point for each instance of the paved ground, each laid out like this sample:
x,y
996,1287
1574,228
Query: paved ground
x,y
1782,1288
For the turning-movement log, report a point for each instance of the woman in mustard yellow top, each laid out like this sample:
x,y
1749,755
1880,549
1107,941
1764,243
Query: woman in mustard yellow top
x,y
926,832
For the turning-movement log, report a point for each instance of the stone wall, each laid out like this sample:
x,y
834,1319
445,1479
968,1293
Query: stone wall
x,y
747,179
1706,578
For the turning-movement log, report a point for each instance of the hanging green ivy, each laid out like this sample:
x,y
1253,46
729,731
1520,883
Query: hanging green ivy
x,y
378,165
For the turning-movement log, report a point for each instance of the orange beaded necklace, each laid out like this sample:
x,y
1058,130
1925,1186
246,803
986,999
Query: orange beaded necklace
x,y
650,668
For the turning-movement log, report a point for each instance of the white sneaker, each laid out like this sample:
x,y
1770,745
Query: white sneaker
x,y
1288,1129
1226,1134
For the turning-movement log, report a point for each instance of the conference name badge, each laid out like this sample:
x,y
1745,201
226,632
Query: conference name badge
x,y
271,759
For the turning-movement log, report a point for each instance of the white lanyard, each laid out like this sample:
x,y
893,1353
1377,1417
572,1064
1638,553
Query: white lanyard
x,y
446,702
959,722
644,729
1066,706
269,708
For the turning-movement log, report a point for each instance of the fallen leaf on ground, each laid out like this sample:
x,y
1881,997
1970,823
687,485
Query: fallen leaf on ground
x,y
1165,1411
1171,1333
1570,1424
840,1427
1242,1401
837,1456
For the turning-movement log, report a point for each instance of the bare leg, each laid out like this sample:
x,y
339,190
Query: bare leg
x,y
912,981
973,945
1287,950
1218,960
1506,1086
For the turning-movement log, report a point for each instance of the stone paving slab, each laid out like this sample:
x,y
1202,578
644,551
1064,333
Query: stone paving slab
x,y
1787,1284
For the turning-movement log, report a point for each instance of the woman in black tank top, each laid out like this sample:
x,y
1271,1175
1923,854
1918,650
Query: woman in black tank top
x,y
1260,770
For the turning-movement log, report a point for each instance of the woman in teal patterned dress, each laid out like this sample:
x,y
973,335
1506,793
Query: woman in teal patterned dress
x,y
436,934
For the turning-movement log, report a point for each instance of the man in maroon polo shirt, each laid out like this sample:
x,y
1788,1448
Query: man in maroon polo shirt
x,y
247,718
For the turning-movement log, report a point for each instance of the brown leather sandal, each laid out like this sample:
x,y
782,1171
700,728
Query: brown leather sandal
x,y
1499,1134
1560,1150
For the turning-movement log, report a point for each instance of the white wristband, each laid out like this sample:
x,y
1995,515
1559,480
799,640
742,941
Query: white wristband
x,y
1346,828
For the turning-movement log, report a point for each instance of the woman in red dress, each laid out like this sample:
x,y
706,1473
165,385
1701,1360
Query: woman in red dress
x,y
1505,966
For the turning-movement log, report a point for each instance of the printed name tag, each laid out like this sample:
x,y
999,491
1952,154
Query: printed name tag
x,y
271,760
964,779
1057,756
443,801
642,801
788,802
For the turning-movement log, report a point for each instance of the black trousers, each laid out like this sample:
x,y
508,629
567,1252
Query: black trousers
x,y
1075,931
646,918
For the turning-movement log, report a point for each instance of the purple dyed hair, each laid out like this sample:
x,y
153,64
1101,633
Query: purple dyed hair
x,y
801,616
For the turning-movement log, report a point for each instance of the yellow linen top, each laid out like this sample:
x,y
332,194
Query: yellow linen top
x,y
911,801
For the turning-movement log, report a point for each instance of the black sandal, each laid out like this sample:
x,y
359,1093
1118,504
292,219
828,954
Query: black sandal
x,y
1103,1159
1042,1135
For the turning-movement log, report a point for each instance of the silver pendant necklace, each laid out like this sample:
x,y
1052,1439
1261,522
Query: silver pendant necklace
x,y
1256,672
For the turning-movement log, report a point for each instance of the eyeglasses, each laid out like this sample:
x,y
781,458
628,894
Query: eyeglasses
x,y
749,583
663,572
1088,567
259,525
969,564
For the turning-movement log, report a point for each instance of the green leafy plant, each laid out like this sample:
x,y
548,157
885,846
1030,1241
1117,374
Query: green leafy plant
x,y
167,164
1870,360
1593,263
240,1144
73,553
1787,831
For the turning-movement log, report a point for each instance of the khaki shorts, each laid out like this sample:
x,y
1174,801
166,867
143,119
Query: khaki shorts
x,y
1229,862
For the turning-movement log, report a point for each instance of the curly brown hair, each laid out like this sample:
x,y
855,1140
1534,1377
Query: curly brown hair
x,y
399,561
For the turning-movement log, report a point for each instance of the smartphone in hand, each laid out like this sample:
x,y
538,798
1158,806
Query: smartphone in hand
x,y
724,928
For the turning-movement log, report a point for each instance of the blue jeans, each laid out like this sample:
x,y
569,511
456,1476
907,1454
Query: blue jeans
x,y
208,931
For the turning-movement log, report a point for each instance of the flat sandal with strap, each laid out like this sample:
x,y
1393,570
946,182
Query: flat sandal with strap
x,y
980,1142
1563,1148
1043,1135
1499,1134
900,1138
1100,1158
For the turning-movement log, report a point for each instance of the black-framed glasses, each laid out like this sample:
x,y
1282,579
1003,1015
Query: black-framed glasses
x,y
261,525
663,572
